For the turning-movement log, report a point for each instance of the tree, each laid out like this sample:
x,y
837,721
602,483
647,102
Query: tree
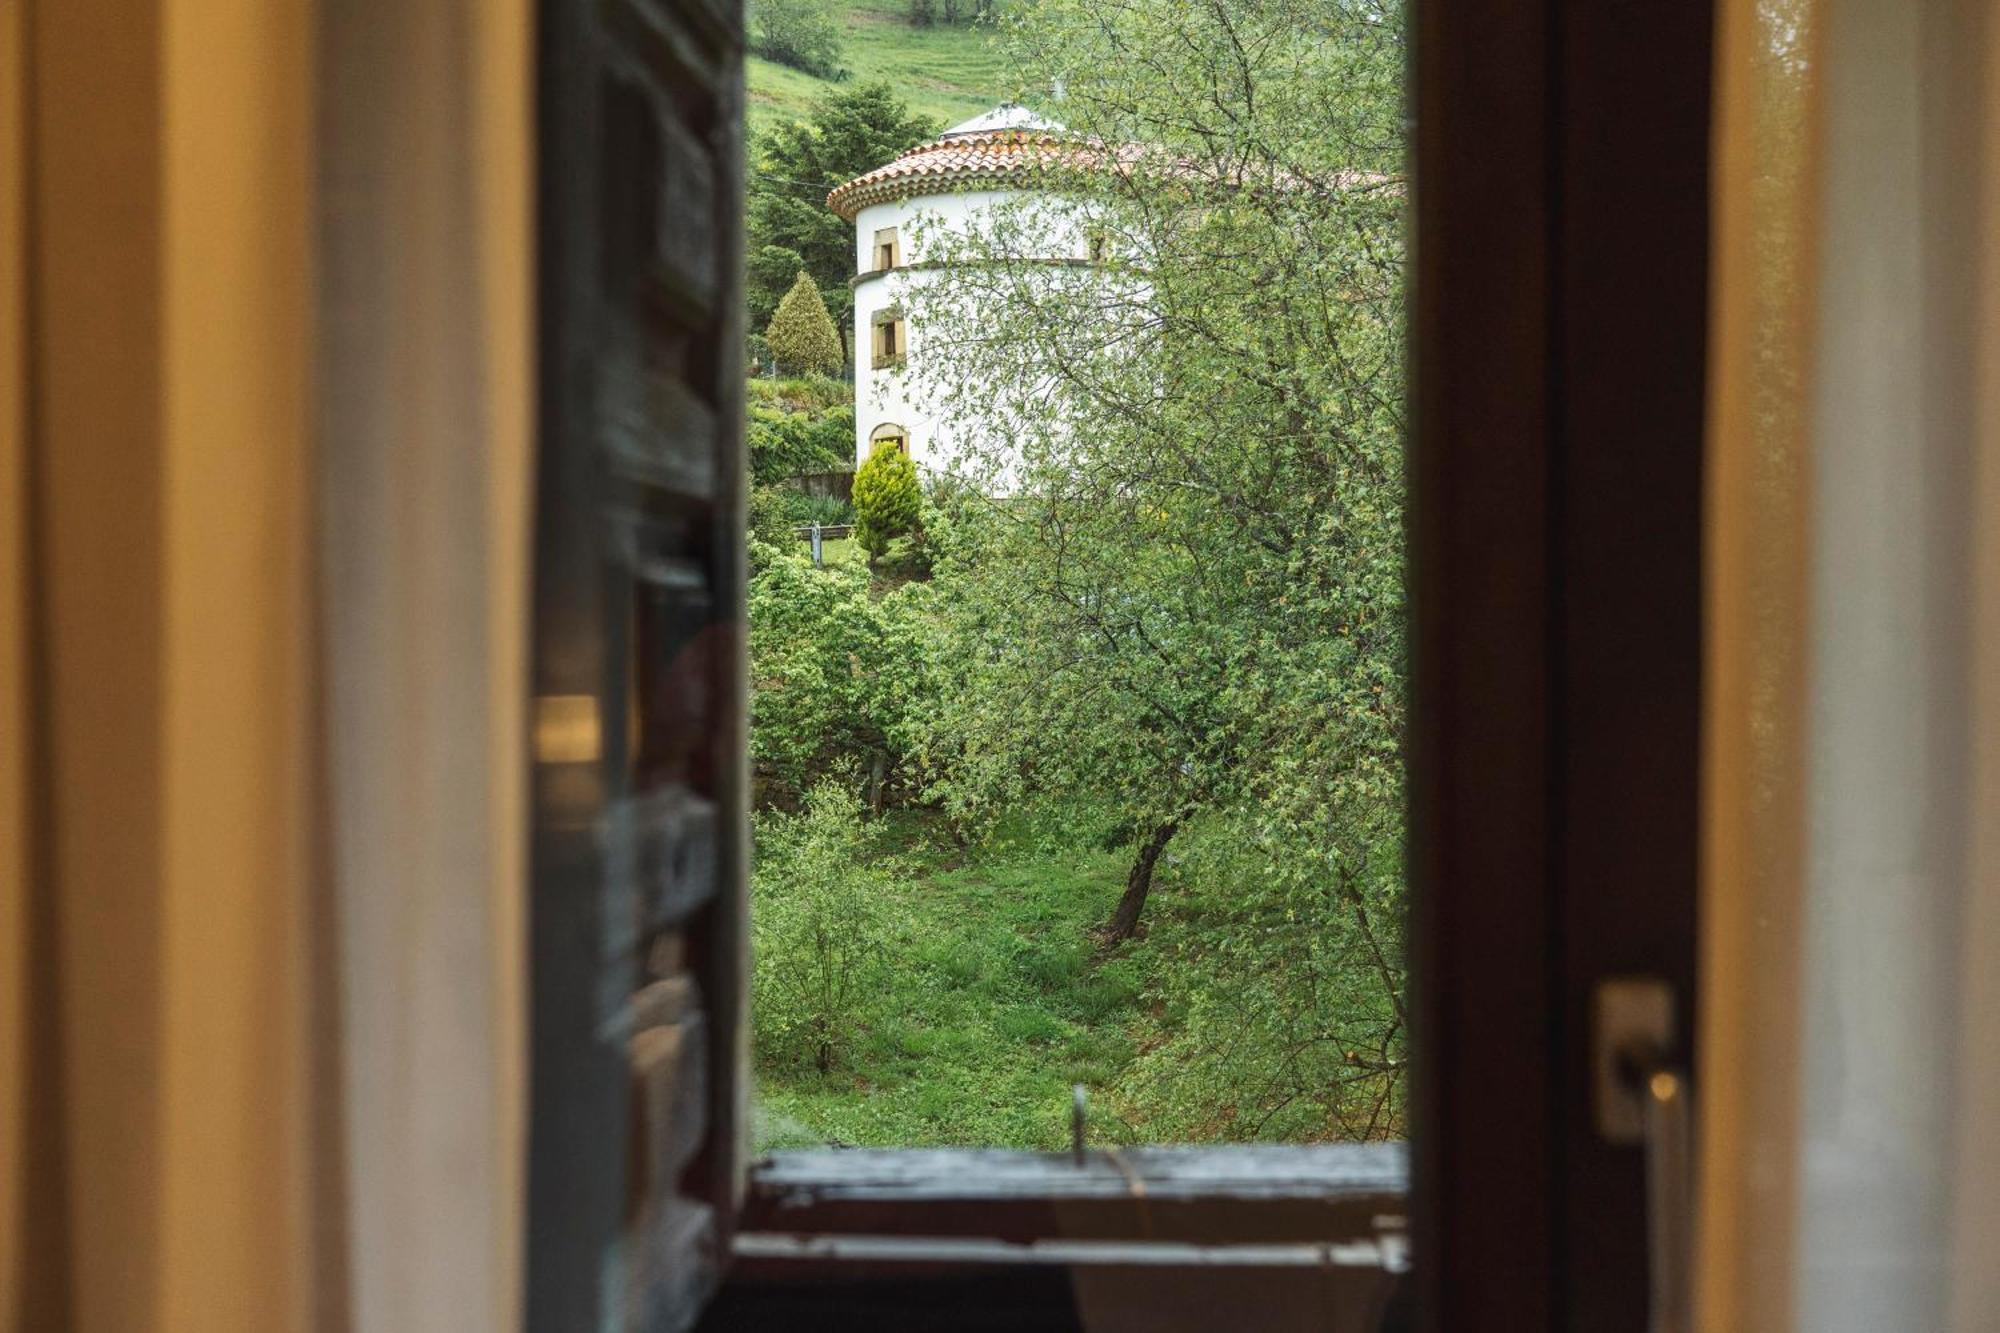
x,y
887,499
1187,618
801,333
819,928
838,675
794,165
799,33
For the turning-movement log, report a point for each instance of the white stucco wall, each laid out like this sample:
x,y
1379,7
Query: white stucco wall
x,y
886,397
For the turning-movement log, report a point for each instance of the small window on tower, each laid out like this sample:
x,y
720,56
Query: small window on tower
x,y
890,434
1098,245
888,253
890,339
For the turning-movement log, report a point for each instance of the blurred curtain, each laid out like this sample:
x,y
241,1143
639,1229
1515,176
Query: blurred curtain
x,y
1851,904
265,475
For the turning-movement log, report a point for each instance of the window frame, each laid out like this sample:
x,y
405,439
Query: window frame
x,y
889,343
893,246
1555,646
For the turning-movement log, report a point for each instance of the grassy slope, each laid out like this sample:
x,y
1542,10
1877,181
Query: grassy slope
x,y
948,74
997,1004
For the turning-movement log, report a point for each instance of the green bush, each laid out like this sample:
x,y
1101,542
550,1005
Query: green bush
x,y
786,444
771,517
819,930
837,674
800,393
801,33
825,510
801,334
887,500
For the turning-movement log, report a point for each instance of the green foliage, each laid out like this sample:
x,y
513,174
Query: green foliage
x,y
1191,607
812,394
820,939
838,675
770,520
786,444
1275,1000
923,13
801,334
803,34
793,167
993,1007
825,510
888,502
946,74
1187,611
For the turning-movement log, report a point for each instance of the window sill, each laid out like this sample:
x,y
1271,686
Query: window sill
x,y
1275,1238
1265,1195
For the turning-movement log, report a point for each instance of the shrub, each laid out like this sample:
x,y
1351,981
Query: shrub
x,y
819,929
887,500
786,444
837,674
805,393
801,334
826,510
771,517
799,33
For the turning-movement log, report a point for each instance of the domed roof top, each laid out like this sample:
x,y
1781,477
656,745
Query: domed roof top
x,y
1007,142
1006,116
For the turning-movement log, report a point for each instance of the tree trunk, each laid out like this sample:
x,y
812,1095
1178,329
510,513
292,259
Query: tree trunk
x,y
1138,884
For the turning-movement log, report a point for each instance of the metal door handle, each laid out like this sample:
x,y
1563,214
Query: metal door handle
x,y
1644,1098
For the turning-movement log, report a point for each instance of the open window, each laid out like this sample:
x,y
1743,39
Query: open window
x,y
889,433
1552,586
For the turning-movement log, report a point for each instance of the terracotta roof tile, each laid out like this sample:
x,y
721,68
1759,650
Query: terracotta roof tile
x,y
957,161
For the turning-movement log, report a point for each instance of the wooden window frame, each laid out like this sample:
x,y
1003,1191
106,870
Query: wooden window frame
x,y
1560,278
897,350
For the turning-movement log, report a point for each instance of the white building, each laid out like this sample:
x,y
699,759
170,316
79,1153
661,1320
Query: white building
x,y
952,183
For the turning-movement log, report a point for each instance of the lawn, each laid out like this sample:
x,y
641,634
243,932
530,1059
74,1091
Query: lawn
x,y
842,551
995,1003
947,74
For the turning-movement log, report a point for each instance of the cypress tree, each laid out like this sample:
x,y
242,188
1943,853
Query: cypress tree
x,y
801,334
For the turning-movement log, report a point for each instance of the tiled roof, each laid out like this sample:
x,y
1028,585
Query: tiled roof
x,y
957,161
1008,143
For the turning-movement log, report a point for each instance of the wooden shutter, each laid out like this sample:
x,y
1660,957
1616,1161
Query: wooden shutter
x,y
639,912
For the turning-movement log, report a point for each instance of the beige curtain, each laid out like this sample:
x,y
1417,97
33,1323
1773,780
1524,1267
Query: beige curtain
x,y
263,592
1851,909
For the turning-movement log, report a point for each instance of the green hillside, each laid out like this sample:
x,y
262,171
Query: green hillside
x,y
947,74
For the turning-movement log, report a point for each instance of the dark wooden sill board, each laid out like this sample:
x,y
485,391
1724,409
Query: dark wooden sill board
x,y
1328,1194
1155,1239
